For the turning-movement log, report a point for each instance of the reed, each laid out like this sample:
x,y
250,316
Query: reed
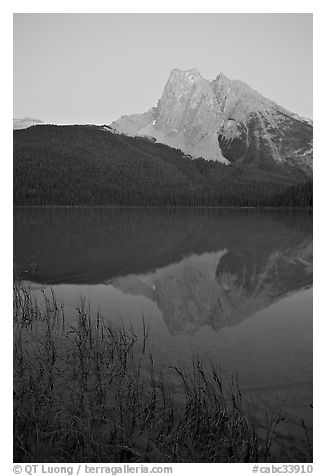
x,y
92,392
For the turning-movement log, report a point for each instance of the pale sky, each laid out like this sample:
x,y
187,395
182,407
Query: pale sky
x,y
93,68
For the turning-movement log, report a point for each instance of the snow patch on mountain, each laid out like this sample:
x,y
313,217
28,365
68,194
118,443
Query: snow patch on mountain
x,y
25,122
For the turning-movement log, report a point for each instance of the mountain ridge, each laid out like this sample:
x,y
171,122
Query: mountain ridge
x,y
223,120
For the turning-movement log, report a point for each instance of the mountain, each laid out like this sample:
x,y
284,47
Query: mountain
x,y
223,120
26,122
94,165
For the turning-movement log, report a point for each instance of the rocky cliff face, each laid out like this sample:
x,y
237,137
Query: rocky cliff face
x,y
223,120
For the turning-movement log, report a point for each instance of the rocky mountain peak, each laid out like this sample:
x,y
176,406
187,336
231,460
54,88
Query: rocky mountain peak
x,y
185,95
183,84
224,120
222,79
191,74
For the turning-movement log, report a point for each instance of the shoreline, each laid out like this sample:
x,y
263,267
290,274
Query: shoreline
x,y
166,207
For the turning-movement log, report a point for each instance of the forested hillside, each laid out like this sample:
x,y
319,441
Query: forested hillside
x,y
88,165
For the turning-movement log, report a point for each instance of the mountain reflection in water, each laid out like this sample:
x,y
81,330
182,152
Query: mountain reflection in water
x,y
223,288
201,267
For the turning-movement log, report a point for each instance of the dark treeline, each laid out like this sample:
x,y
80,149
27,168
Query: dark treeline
x,y
93,245
86,165
300,195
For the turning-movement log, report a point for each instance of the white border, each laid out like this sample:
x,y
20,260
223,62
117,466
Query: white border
x,y
168,6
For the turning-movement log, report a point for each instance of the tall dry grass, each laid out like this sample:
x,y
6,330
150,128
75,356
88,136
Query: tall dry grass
x,y
91,392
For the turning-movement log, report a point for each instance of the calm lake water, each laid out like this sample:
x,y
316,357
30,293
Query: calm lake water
x,y
233,286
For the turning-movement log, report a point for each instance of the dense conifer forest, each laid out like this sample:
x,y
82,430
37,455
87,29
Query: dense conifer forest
x,y
88,165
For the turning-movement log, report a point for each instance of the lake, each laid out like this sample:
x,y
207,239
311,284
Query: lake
x,y
233,286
